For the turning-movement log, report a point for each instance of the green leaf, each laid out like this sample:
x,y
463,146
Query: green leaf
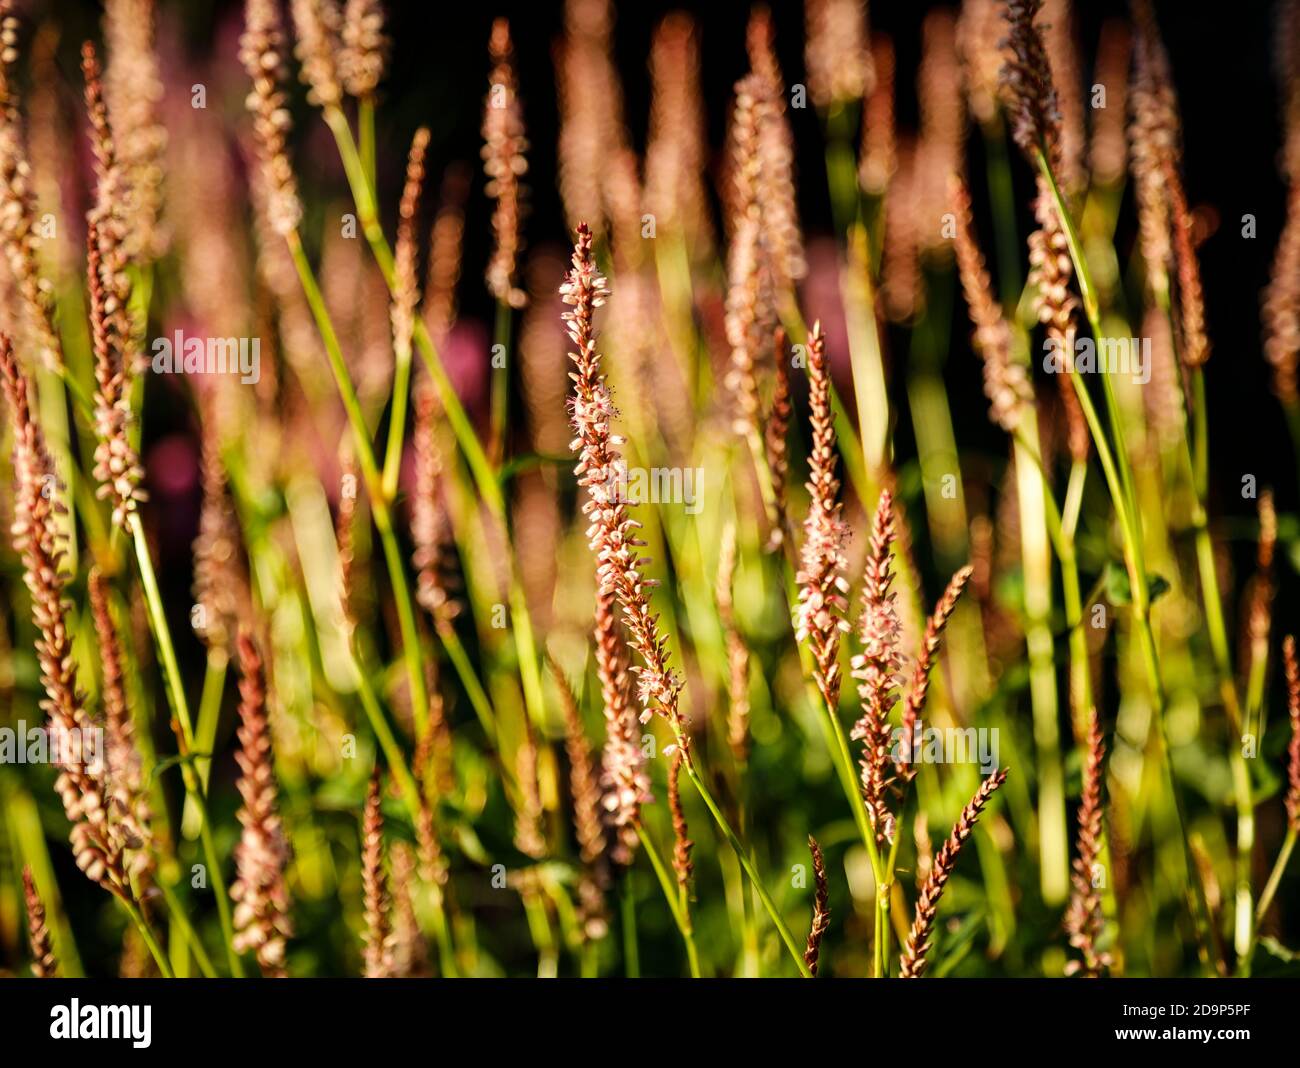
x,y
1115,582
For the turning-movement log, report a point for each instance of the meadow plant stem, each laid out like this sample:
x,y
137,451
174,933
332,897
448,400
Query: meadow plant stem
x,y
840,121
363,196
366,136
214,679
1120,481
1266,900
865,359
676,902
386,739
1216,624
795,950
176,910
1036,556
482,470
176,691
150,941
478,697
1275,876
837,741
397,421
378,503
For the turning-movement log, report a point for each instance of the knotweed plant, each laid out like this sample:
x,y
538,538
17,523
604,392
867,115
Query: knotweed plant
x,y
573,542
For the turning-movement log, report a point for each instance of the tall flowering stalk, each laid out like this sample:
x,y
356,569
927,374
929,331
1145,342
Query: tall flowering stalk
x,y
915,956
96,843
1293,748
1006,382
504,145
134,89
776,446
611,535
378,953
402,311
819,614
1291,666
117,466
18,206
821,918
1084,918
44,964
612,531
365,48
123,774
877,668
262,51
838,59
259,892
588,821
924,666
751,311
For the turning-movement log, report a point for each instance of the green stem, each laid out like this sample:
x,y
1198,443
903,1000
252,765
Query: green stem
x,y
386,739
681,915
155,950
177,911
378,502
1120,482
1266,898
1216,624
1275,876
214,680
176,691
482,470
366,133
478,697
397,421
745,862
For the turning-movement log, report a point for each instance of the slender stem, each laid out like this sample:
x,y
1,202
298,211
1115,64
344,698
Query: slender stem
x,y
176,691
214,679
1216,624
681,915
480,467
478,697
155,950
1266,898
363,195
366,134
177,912
1120,481
1275,876
366,457
397,421
745,862
386,739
